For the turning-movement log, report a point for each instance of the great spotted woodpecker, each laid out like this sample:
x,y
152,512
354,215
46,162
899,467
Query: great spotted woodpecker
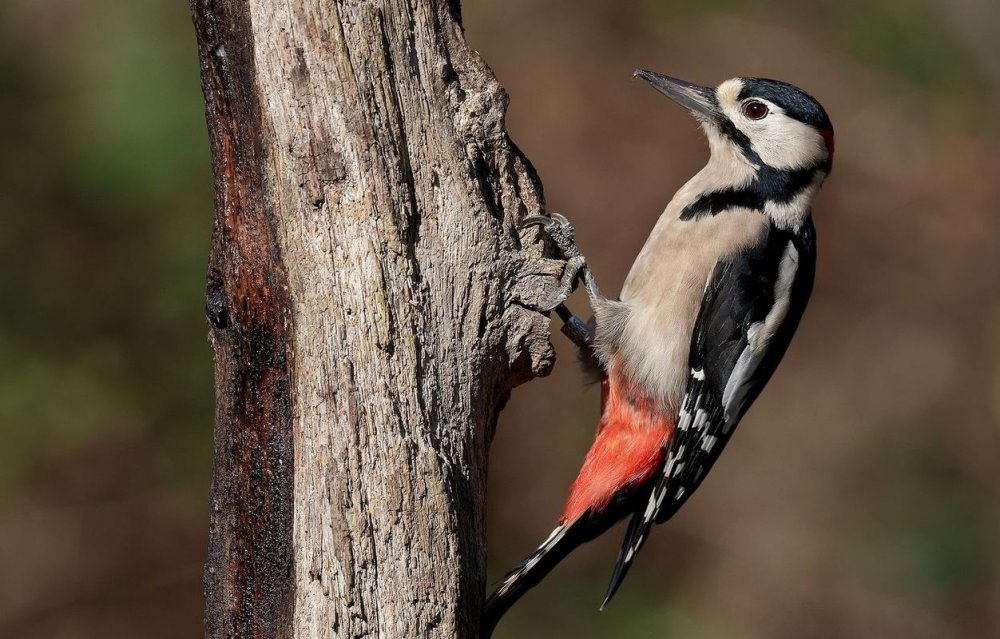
x,y
705,315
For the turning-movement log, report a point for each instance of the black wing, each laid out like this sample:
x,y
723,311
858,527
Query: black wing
x,y
752,305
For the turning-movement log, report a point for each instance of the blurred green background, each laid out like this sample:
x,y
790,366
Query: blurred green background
x,y
861,497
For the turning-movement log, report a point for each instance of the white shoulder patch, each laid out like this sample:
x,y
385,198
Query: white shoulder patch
x,y
759,335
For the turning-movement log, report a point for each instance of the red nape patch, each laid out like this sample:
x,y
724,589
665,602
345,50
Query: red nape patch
x,y
628,449
828,139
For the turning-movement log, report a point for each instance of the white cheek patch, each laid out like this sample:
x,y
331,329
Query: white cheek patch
x,y
782,142
785,143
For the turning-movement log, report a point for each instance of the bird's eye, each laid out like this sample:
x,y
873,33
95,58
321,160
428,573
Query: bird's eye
x,y
755,110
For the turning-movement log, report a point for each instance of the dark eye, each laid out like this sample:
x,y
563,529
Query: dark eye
x,y
754,110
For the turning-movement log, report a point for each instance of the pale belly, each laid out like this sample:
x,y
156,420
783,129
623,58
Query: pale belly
x,y
663,293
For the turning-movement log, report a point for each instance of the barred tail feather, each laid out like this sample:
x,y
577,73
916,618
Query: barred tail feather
x,y
636,535
529,573
614,480
625,556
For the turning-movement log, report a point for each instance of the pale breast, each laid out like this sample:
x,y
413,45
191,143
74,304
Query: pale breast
x,y
664,290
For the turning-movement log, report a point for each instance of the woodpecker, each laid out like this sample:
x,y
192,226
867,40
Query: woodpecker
x,y
706,313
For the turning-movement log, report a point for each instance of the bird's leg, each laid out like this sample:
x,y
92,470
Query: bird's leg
x,y
575,328
561,232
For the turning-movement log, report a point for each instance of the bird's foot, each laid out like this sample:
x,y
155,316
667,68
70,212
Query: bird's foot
x,y
562,234
559,230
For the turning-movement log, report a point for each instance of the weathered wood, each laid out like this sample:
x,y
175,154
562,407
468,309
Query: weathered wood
x,y
363,294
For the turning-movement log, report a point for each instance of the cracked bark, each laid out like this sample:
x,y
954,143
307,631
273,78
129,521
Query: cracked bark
x,y
364,295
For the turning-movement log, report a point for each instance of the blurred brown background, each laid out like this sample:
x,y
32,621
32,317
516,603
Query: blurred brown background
x,y
861,497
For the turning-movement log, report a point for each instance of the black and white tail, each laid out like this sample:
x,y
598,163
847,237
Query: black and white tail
x,y
630,547
529,573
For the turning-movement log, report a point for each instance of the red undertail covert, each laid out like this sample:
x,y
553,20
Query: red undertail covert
x,y
628,450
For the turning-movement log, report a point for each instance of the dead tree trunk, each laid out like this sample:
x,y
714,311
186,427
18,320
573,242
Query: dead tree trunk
x,y
363,299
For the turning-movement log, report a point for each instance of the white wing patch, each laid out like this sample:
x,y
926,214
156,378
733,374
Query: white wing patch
x,y
759,337
705,420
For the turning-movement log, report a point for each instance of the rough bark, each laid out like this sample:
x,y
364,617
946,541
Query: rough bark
x,y
363,295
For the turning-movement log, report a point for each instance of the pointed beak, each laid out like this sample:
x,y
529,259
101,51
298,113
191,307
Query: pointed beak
x,y
698,99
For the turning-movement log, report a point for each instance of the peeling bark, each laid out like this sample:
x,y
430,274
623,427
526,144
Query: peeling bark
x,y
363,295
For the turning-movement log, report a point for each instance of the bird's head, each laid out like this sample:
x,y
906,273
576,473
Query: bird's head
x,y
771,123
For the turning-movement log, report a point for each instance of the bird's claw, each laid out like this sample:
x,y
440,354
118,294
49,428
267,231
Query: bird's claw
x,y
546,220
559,230
562,234
535,220
547,307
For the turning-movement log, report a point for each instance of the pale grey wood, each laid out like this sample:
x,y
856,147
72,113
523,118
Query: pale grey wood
x,y
395,193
